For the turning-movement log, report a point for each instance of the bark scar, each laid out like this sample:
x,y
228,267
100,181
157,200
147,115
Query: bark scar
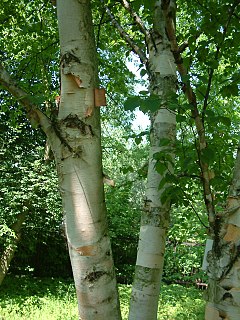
x,y
94,276
72,121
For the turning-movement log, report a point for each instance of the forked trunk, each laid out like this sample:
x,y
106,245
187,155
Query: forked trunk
x,y
155,217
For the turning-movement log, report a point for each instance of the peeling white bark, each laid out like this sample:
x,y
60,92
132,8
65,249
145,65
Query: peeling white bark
x,y
75,141
149,251
155,218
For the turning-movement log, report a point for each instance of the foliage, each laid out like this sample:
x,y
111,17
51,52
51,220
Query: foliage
x,y
47,298
29,46
185,245
29,185
123,160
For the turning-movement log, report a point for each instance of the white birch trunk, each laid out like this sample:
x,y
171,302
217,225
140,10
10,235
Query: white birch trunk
x,y
223,295
155,217
75,141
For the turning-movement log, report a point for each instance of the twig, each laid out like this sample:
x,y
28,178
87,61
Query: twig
x,y
190,203
99,28
137,19
136,49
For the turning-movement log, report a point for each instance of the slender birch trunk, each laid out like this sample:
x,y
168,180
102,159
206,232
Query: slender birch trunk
x,y
76,143
223,295
155,217
9,251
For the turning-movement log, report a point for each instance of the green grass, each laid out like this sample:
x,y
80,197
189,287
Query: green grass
x,y
54,299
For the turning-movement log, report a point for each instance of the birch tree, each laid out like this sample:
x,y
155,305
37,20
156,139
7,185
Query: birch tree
x,y
75,140
161,70
204,63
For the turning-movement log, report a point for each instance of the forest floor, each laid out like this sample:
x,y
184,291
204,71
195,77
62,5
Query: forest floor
x,y
24,297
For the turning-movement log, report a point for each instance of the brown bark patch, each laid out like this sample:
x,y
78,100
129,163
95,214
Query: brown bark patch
x,y
232,234
89,111
77,80
100,97
86,251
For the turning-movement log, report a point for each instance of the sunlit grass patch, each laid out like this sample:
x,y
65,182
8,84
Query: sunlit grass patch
x,y
176,303
181,303
31,299
28,298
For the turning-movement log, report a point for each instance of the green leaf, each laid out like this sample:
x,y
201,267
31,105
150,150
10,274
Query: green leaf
x,y
230,90
132,103
210,113
127,169
203,79
208,155
151,103
185,78
144,92
164,142
160,167
192,43
164,156
212,64
180,118
166,195
187,161
138,140
187,61
225,120
173,193
162,183
158,155
143,72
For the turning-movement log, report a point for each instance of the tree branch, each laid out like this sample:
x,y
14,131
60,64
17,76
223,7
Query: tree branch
x,y
170,29
137,19
35,116
136,49
99,28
